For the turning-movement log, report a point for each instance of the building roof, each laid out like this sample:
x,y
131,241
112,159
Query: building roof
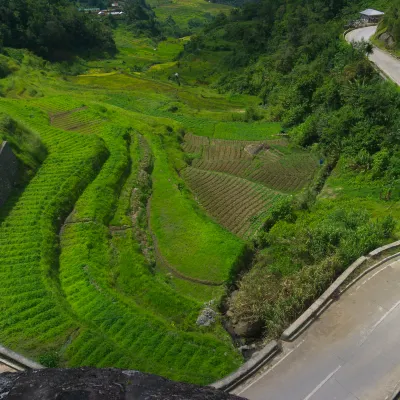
x,y
372,13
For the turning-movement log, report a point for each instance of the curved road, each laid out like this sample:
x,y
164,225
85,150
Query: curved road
x,y
387,63
351,352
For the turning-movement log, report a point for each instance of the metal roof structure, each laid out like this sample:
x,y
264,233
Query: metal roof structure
x,y
369,12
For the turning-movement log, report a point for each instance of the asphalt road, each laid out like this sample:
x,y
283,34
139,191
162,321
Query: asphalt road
x,y
351,352
387,63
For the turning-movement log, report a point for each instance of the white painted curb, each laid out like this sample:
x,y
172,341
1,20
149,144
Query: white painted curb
x,y
249,367
17,361
273,348
319,304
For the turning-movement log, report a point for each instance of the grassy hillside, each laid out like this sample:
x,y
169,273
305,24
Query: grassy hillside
x,y
292,55
168,174
189,15
122,256
26,146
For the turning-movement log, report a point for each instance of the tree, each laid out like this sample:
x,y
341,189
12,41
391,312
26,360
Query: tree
x,y
53,29
141,17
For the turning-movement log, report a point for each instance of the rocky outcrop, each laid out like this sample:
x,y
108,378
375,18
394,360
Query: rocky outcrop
x,y
100,384
388,40
248,329
206,317
8,171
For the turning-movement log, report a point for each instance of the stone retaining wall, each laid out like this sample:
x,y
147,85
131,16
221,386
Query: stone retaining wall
x,y
8,171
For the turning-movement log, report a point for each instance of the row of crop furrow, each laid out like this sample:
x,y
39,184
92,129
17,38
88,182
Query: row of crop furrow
x,y
271,175
270,167
58,104
74,121
231,201
142,336
33,316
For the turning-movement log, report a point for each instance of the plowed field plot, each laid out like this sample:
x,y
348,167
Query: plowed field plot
x,y
79,120
237,182
237,204
269,162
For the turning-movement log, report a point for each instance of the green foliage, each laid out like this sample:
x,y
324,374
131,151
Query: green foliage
x,y
26,145
7,66
93,309
391,23
182,18
50,360
323,90
303,257
141,18
110,251
53,29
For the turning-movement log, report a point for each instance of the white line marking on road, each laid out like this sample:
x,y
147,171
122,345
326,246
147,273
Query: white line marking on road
x,y
270,369
376,273
383,317
322,383
369,331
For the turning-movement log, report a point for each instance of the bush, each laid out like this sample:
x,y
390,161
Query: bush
x,y
304,256
252,114
50,360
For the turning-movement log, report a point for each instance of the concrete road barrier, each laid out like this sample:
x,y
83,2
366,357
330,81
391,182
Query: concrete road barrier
x,y
273,348
249,367
322,301
312,311
17,361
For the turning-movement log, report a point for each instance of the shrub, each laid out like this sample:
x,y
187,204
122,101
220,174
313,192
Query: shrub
x,y
303,256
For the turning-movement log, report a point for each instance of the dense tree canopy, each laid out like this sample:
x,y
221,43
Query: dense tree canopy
x,y
141,17
391,22
291,54
54,29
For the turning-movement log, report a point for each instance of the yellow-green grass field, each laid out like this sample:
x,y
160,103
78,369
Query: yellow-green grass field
x,y
379,199
182,11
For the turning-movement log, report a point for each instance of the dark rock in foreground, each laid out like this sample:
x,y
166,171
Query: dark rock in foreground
x,y
99,384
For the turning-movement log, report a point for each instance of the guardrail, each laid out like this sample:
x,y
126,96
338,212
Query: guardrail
x,y
273,348
17,361
248,368
309,315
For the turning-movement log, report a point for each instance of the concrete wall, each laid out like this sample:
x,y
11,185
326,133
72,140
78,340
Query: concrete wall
x,y
8,171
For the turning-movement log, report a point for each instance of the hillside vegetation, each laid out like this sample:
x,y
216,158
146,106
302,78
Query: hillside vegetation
x,y
251,157
53,29
324,92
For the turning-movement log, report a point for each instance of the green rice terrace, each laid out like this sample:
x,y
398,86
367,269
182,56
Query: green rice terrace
x,y
137,215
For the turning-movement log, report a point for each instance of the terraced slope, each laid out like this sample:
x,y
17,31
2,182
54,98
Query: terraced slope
x,y
108,258
266,162
237,204
33,311
84,300
237,182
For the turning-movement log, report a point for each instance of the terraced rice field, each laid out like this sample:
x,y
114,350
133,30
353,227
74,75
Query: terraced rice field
x,y
77,282
108,257
237,204
237,182
79,120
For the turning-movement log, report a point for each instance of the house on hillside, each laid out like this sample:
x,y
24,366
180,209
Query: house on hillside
x,y
371,16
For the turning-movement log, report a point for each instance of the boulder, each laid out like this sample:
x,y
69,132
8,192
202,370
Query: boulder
x,y
206,317
387,38
99,384
248,329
